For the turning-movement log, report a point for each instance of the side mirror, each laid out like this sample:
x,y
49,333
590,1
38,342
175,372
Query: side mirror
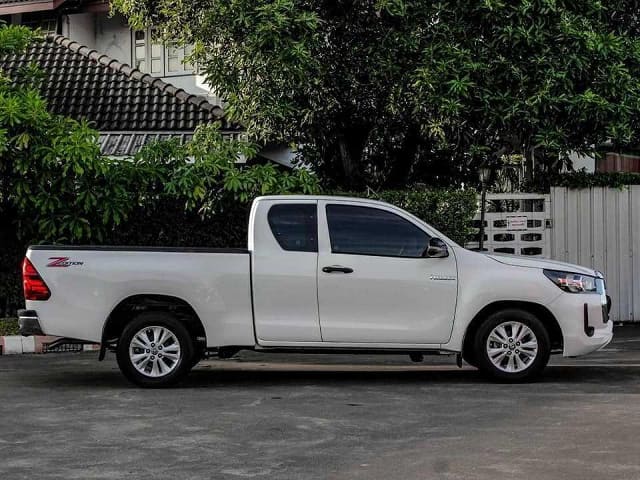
x,y
436,249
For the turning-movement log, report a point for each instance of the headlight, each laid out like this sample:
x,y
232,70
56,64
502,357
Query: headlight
x,y
575,282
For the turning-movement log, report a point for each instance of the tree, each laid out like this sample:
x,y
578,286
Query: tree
x,y
388,92
538,78
54,184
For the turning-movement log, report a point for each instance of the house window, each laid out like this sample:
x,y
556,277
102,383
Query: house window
x,y
46,21
161,60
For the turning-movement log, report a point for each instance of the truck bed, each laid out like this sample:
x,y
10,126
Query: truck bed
x,y
88,282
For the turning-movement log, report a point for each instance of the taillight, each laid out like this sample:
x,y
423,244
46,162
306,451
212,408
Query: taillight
x,y
32,282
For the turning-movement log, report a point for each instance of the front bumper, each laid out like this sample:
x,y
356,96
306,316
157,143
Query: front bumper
x,y
29,323
584,323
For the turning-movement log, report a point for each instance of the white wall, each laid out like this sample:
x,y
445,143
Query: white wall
x,y
188,83
113,37
580,162
80,27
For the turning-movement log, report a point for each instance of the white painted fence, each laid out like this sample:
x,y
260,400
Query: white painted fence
x,y
600,228
515,223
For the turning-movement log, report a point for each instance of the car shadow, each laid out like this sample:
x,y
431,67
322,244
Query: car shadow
x,y
568,379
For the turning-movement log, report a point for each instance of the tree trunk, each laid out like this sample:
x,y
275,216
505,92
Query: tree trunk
x,y
403,162
351,146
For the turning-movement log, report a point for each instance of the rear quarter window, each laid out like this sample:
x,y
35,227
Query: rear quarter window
x,y
295,226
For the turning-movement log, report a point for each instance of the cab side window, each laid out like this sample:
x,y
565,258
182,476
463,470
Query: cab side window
x,y
359,230
295,226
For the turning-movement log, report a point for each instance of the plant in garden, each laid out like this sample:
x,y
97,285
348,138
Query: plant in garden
x,y
391,92
54,184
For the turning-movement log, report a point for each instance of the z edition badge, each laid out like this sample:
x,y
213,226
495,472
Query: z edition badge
x,y
62,262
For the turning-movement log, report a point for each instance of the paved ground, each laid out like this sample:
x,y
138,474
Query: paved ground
x,y
322,417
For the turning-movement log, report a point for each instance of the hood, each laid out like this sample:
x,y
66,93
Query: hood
x,y
541,263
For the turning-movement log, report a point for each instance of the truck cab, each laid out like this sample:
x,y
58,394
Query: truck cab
x,y
348,272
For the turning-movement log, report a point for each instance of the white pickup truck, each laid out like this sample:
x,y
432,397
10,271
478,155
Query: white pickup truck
x,y
321,274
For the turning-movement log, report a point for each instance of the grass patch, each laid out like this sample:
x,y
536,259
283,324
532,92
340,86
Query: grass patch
x,y
8,326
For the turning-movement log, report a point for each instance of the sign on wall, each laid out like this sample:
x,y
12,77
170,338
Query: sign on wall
x,y
517,223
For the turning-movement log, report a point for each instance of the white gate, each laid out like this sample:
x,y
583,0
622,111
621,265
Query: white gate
x,y
515,223
600,228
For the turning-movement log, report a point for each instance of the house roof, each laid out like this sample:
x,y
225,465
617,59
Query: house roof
x,y
8,7
82,83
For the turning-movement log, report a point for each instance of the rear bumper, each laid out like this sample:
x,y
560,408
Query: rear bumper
x,y
29,323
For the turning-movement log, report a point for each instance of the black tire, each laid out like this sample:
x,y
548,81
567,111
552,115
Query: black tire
x,y
536,365
470,359
178,370
198,355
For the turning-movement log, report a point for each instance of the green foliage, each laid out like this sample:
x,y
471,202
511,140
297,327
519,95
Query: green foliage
x,y
390,92
14,39
8,326
582,179
448,210
204,171
538,78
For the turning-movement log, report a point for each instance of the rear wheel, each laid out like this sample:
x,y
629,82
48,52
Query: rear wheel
x,y
155,350
512,345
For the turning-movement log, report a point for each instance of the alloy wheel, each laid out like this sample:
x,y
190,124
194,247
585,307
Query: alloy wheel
x,y
512,346
155,351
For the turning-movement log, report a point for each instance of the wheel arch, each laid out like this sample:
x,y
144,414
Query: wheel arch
x,y
131,306
540,311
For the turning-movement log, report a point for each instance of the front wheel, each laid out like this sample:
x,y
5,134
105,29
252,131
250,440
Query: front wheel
x,y
512,345
155,350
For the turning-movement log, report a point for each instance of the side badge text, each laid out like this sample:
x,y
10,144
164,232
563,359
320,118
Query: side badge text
x,y
63,262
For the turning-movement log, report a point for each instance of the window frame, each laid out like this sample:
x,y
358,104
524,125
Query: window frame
x,y
148,44
44,20
294,204
328,204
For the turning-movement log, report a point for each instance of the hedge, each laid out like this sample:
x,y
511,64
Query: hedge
x,y
582,179
8,326
450,211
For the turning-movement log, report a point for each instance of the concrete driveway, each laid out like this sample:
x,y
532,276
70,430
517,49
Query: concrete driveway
x,y
322,417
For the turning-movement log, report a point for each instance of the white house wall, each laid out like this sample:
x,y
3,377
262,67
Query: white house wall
x,y
113,37
80,27
582,161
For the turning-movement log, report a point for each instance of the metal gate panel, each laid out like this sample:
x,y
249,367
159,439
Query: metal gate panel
x,y
634,215
600,228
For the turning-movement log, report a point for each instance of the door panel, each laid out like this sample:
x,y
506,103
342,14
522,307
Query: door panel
x,y
285,262
384,299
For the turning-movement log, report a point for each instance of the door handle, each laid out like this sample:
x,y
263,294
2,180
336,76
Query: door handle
x,y
337,268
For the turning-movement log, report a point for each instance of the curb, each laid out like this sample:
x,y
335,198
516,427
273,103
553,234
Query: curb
x,y
17,344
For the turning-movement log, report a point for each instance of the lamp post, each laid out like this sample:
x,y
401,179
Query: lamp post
x,y
484,173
